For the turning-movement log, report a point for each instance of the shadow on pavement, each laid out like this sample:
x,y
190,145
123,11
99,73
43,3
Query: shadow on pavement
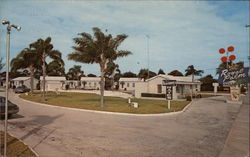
x,y
37,123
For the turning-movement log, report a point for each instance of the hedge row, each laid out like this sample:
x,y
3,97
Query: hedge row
x,y
153,95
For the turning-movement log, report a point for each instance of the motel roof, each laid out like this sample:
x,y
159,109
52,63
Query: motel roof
x,y
178,79
54,78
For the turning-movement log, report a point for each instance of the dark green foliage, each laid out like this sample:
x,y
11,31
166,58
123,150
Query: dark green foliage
x,y
207,83
161,72
91,75
129,74
75,73
153,95
1,64
192,71
144,74
175,73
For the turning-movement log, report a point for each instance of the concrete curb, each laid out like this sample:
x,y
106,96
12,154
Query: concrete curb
x,y
24,144
112,113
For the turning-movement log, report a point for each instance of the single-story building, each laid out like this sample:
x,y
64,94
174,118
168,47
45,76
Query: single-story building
x,y
90,82
184,86
53,83
73,84
128,83
19,81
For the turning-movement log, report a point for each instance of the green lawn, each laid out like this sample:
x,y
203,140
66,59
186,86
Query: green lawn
x,y
113,104
15,147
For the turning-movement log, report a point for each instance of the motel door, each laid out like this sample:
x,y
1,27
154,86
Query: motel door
x,y
159,88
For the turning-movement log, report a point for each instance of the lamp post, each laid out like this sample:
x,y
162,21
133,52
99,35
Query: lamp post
x,y
9,26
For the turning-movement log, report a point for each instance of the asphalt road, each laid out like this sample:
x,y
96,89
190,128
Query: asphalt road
x,y
200,131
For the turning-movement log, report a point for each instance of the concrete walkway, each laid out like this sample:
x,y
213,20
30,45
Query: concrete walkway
x,y
237,143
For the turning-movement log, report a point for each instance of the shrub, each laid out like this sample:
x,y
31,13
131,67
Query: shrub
x,y
153,95
67,87
188,98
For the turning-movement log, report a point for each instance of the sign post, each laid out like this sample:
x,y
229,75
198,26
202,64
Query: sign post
x,y
169,90
169,94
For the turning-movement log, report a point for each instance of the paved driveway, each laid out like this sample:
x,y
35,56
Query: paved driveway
x,y
200,131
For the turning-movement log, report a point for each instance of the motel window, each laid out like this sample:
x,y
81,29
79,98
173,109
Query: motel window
x,y
133,84
127,84
89,83
95,84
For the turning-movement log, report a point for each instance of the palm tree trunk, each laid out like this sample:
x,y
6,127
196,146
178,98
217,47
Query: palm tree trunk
x,y
44,68
31,79
102,85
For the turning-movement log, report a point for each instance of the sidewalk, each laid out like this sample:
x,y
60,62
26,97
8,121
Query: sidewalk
x,y
237,143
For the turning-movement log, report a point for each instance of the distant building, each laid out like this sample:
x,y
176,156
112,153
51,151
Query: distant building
x,y
184,86
128,83
53,83
90,83
19,81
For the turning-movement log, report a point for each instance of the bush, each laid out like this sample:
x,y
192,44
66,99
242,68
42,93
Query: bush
x,y
153,95
67,87
188,98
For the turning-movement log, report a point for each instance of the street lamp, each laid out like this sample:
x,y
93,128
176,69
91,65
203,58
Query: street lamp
x,y
9,26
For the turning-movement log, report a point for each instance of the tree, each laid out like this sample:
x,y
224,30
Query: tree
x,y
144,74
192,71
111,71
75,73
161,72
100,49
26,59
129,74
175,73
1,64
91,75
207,83
44,49
230,64
55,68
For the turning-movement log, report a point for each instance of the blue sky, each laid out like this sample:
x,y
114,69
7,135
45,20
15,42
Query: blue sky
x,y
181,33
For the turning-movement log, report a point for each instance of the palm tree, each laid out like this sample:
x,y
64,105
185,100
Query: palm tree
x,y
1,64
100,48
45,49
192,71
26,59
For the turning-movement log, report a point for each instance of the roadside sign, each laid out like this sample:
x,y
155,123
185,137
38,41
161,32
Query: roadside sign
x,y
169,92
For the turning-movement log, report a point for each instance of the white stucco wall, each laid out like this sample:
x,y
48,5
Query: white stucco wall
x,y
128,85
26,83
140,87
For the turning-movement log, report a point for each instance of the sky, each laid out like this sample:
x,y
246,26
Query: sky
x,y
180,33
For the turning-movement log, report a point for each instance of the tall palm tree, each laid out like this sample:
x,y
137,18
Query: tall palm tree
x,y
26,59
44,48
100,48
192,71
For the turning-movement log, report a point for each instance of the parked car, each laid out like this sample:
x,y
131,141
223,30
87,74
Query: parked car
x,y
21,89
12,108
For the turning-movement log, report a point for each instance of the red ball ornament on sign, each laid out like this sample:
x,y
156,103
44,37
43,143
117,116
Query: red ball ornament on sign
x,y
232,57
223,59
230,49
221,50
